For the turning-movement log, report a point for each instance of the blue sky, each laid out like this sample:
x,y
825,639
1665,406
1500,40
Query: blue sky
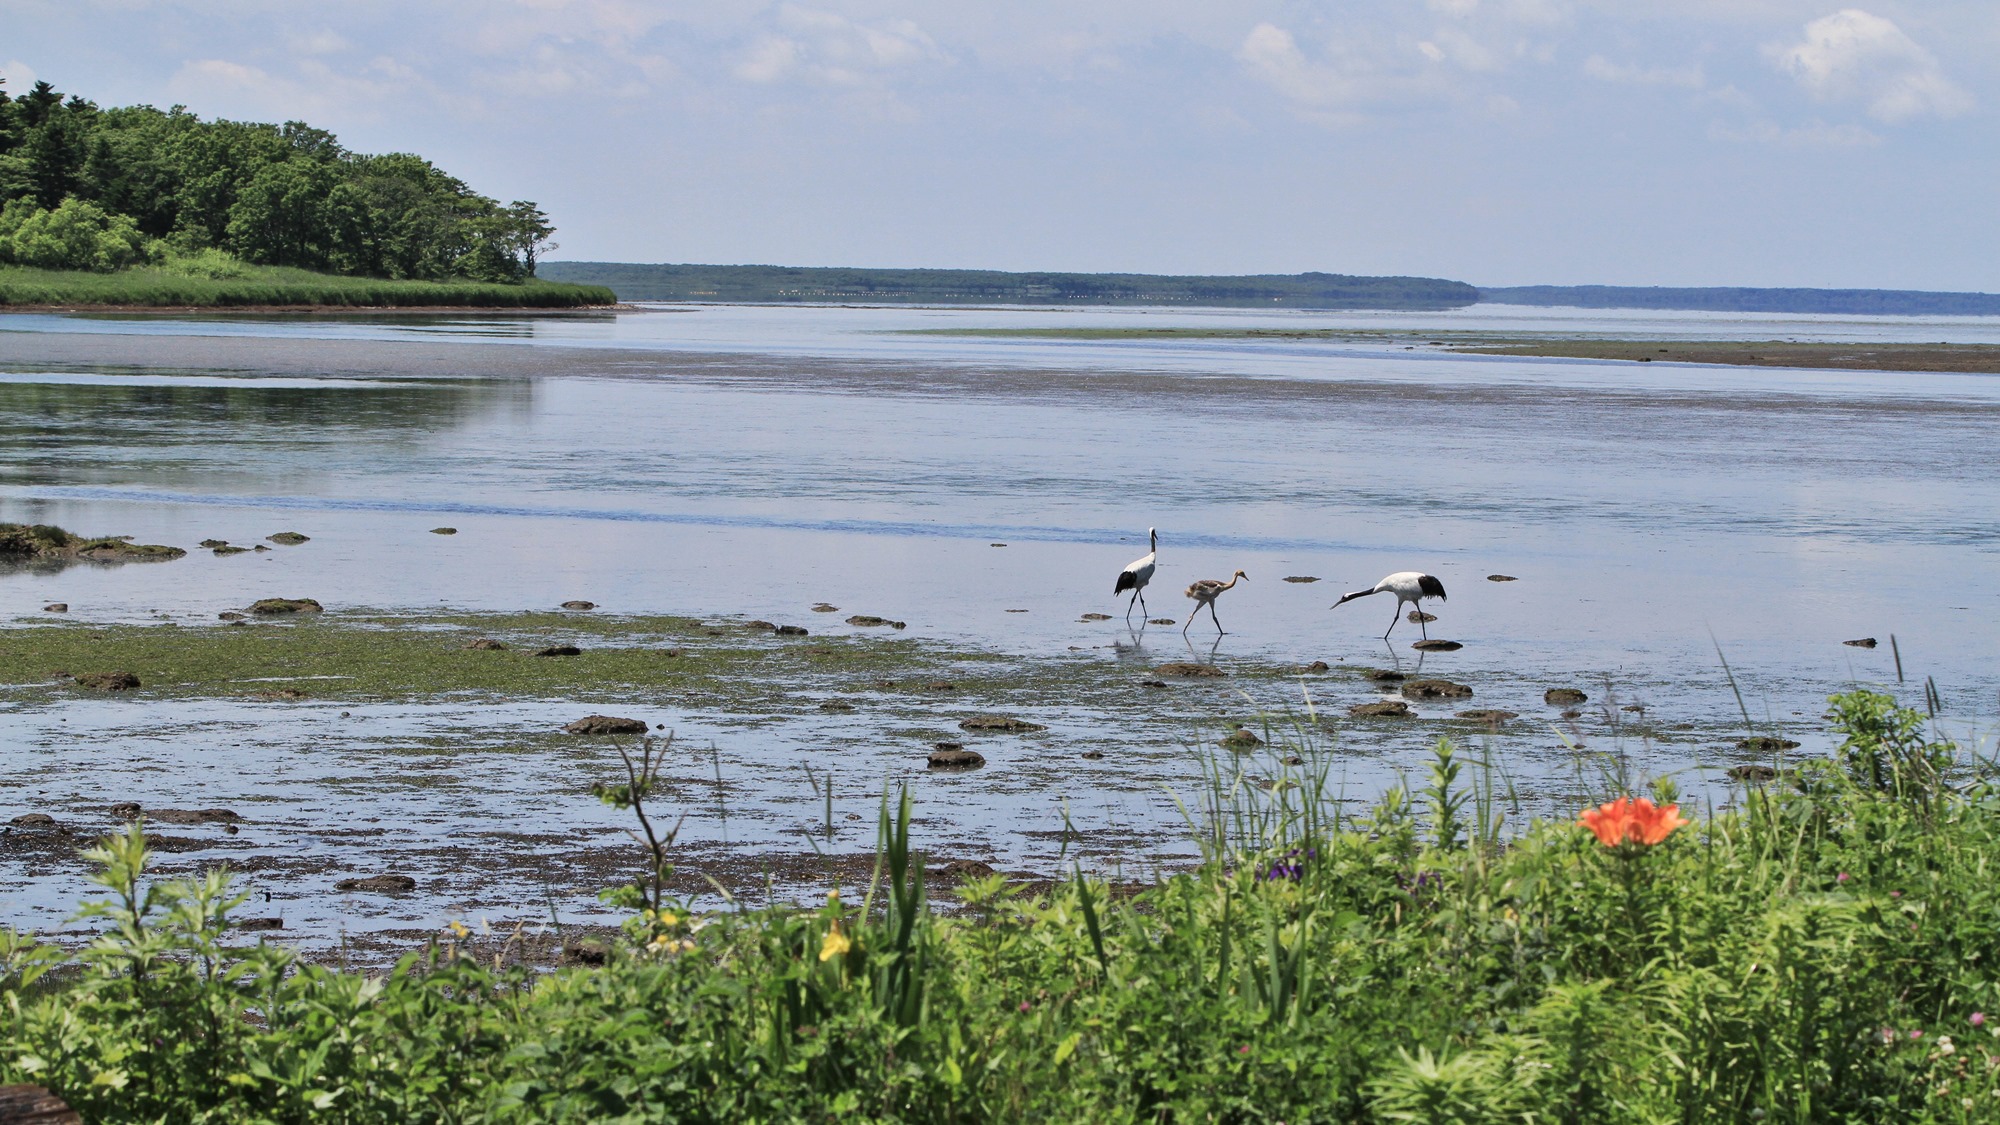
x,y
1671,142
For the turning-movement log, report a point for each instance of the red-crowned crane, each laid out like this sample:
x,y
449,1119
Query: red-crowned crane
x,y
1204,593
1137,573
1409,586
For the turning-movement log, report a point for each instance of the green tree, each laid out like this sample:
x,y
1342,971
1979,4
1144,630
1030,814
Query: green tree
x,y
528,233
281,216
76,235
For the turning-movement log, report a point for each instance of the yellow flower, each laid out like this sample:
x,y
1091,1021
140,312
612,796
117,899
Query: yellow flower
x,y
460,929
836,943
669,918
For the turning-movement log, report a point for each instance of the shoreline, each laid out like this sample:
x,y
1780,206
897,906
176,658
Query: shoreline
x,y
1971,359
371,310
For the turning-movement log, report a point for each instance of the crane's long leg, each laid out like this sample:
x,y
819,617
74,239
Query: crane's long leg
x,y
1392,620
1214,618
1420,621
1141,595
1128,605
1191,617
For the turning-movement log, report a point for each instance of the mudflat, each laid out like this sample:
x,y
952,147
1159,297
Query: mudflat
x,y
1969,358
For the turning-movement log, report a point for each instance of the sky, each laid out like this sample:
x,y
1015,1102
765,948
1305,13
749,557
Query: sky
x,y
1501,142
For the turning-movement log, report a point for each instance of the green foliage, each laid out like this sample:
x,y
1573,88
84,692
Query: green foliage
x,y
212,278
280,195
73,236
1823,954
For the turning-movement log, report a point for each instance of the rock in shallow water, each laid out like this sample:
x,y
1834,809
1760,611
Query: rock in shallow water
x,y
1386,709
1437,646
1242,738
1300,578
384,884
56,607
1766,744
1185,668
606,724
444,531
269,607
1491,716
289,538
1501,578
560,650
109,681
1861,642
1563,696
1007,724
1435,689
579,604
1757,774
951,756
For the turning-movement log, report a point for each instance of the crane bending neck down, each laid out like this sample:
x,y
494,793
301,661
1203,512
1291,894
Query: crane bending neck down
x,y
1410,587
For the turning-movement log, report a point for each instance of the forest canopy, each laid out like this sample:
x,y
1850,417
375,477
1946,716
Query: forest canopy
x,y
83,187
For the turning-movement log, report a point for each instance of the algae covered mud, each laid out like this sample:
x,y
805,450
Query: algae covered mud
x,y
693,471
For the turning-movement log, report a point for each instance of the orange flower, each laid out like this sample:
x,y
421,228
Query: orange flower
x,y
1639,821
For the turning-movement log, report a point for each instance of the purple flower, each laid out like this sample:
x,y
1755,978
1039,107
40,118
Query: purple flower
x,y
1979,1019
1842,877
1916,1034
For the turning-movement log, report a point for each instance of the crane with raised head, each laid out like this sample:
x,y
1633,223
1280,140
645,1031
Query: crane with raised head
x,y
1137,573
1204,592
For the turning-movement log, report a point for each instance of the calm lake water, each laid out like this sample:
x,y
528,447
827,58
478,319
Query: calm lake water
x,y
752,461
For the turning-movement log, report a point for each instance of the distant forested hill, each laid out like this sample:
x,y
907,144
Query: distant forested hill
x,y
89,188
1880,302
806,284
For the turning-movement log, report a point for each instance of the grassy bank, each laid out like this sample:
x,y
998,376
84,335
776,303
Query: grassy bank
x,y
277,286
1824,952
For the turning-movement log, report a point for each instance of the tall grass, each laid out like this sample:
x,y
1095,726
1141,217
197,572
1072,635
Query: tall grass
x,y
1824,952
246,286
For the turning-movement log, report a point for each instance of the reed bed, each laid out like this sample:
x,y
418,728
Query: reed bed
x,y
263,286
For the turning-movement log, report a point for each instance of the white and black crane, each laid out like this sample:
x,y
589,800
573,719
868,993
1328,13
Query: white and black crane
x,y
1409,586
1204,592
1137,573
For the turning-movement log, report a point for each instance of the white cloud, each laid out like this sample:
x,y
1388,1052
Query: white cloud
x,y
1853,56
1604,70
828,49
19,75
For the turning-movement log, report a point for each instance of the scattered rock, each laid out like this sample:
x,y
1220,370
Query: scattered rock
x,y
1435,689
1572,714
825,608
588,951
1765,744
225,551
385,884
260,547
229,615
579,604
1152,683
1863,642
836,705
45,542
1419,617
214,543
1093,755
996,544
957,758
1437,646
960,870
1756,774
486,644
33,820
252,925
125,810
1319,666
869,619
790,631
1184,668
1007,724
444,531
272,606
1096,617
109,681
559,650
760,626
56,607
280,695
1159,621
288,538
1294,760
1387,708
1242,738
940,685
1563,696
1017,611
193,816
1636,708
1382,675
176,843
606,724
1300,578
1492,717
1501,578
